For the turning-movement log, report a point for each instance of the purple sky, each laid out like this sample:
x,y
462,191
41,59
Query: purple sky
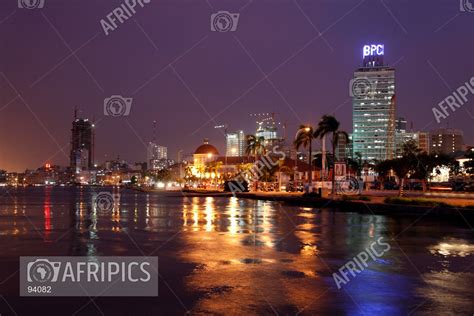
x,y
212,73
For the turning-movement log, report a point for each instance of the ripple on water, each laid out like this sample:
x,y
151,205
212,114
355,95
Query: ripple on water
x,y
251,260
293,274
218,290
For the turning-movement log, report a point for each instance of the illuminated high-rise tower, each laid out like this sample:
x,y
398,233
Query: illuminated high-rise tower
x,y
82,144
235,144
267,127
373,106
156,153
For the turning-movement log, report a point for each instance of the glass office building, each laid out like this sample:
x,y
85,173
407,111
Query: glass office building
x,y
373,108
235,144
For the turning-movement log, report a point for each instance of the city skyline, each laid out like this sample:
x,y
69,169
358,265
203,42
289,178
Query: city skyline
x,y
244,157
309,75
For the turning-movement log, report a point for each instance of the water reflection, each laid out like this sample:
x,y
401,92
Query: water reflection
x,y
233,221
47,214
210,213
290,253
452,247
252,256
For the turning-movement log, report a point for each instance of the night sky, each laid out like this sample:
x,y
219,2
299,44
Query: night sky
x,y
190,79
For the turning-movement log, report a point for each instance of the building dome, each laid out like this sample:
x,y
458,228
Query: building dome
x,y
206,149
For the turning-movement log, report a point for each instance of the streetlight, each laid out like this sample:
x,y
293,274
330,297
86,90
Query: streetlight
x,y
308,129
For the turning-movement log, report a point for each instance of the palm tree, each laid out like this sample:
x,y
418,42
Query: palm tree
x,y
329,124
356,163
256,147
304,137
213,168
318,159
268,173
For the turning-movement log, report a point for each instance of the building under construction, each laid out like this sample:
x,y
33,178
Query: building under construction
x,y
269,128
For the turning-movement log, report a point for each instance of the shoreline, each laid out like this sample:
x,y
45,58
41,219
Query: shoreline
x,y
340,205
185,193
364,206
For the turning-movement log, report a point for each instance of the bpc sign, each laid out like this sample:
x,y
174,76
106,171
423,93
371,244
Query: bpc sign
x,y
373,50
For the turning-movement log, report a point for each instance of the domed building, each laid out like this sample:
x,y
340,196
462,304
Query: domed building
x,y
206,149
204,154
